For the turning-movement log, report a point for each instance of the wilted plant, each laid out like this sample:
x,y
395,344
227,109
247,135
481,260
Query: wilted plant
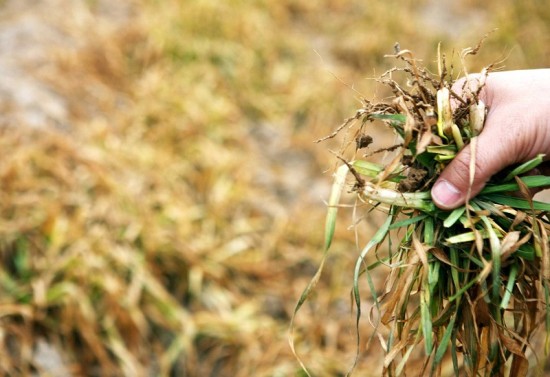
x,y
472,282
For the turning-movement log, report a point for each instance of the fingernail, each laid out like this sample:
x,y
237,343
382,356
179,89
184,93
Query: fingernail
x,y
446,194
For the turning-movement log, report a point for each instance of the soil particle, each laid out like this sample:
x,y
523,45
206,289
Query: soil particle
x,y
363,141
414,180
407,160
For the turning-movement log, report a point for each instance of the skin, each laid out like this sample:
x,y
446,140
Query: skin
x,y
517,128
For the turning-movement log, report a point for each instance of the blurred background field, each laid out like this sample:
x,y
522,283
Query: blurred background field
x,y
161,197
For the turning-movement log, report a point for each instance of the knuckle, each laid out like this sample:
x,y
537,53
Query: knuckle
x,y
460,173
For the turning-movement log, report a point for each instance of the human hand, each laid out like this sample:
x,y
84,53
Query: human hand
x,y
517,128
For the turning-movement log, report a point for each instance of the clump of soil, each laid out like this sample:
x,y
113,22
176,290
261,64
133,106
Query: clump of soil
x,y
415,179
363,141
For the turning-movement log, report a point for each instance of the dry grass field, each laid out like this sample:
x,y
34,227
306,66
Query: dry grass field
x,y
161,197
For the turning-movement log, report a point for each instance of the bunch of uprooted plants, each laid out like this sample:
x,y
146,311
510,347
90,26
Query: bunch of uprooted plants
x,y
468,286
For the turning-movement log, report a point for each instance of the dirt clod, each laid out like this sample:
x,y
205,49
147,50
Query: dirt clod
x,y
414,180
363,141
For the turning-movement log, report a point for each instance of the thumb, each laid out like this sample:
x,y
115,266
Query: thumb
x,y
453,186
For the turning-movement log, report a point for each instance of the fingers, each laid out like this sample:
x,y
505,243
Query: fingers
x,y
516,129
453,186
493,153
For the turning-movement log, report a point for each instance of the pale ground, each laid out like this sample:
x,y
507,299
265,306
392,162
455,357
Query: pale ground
x,y
30,32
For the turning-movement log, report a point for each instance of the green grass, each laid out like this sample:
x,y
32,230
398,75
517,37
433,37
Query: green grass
x,y
453,280
171,228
